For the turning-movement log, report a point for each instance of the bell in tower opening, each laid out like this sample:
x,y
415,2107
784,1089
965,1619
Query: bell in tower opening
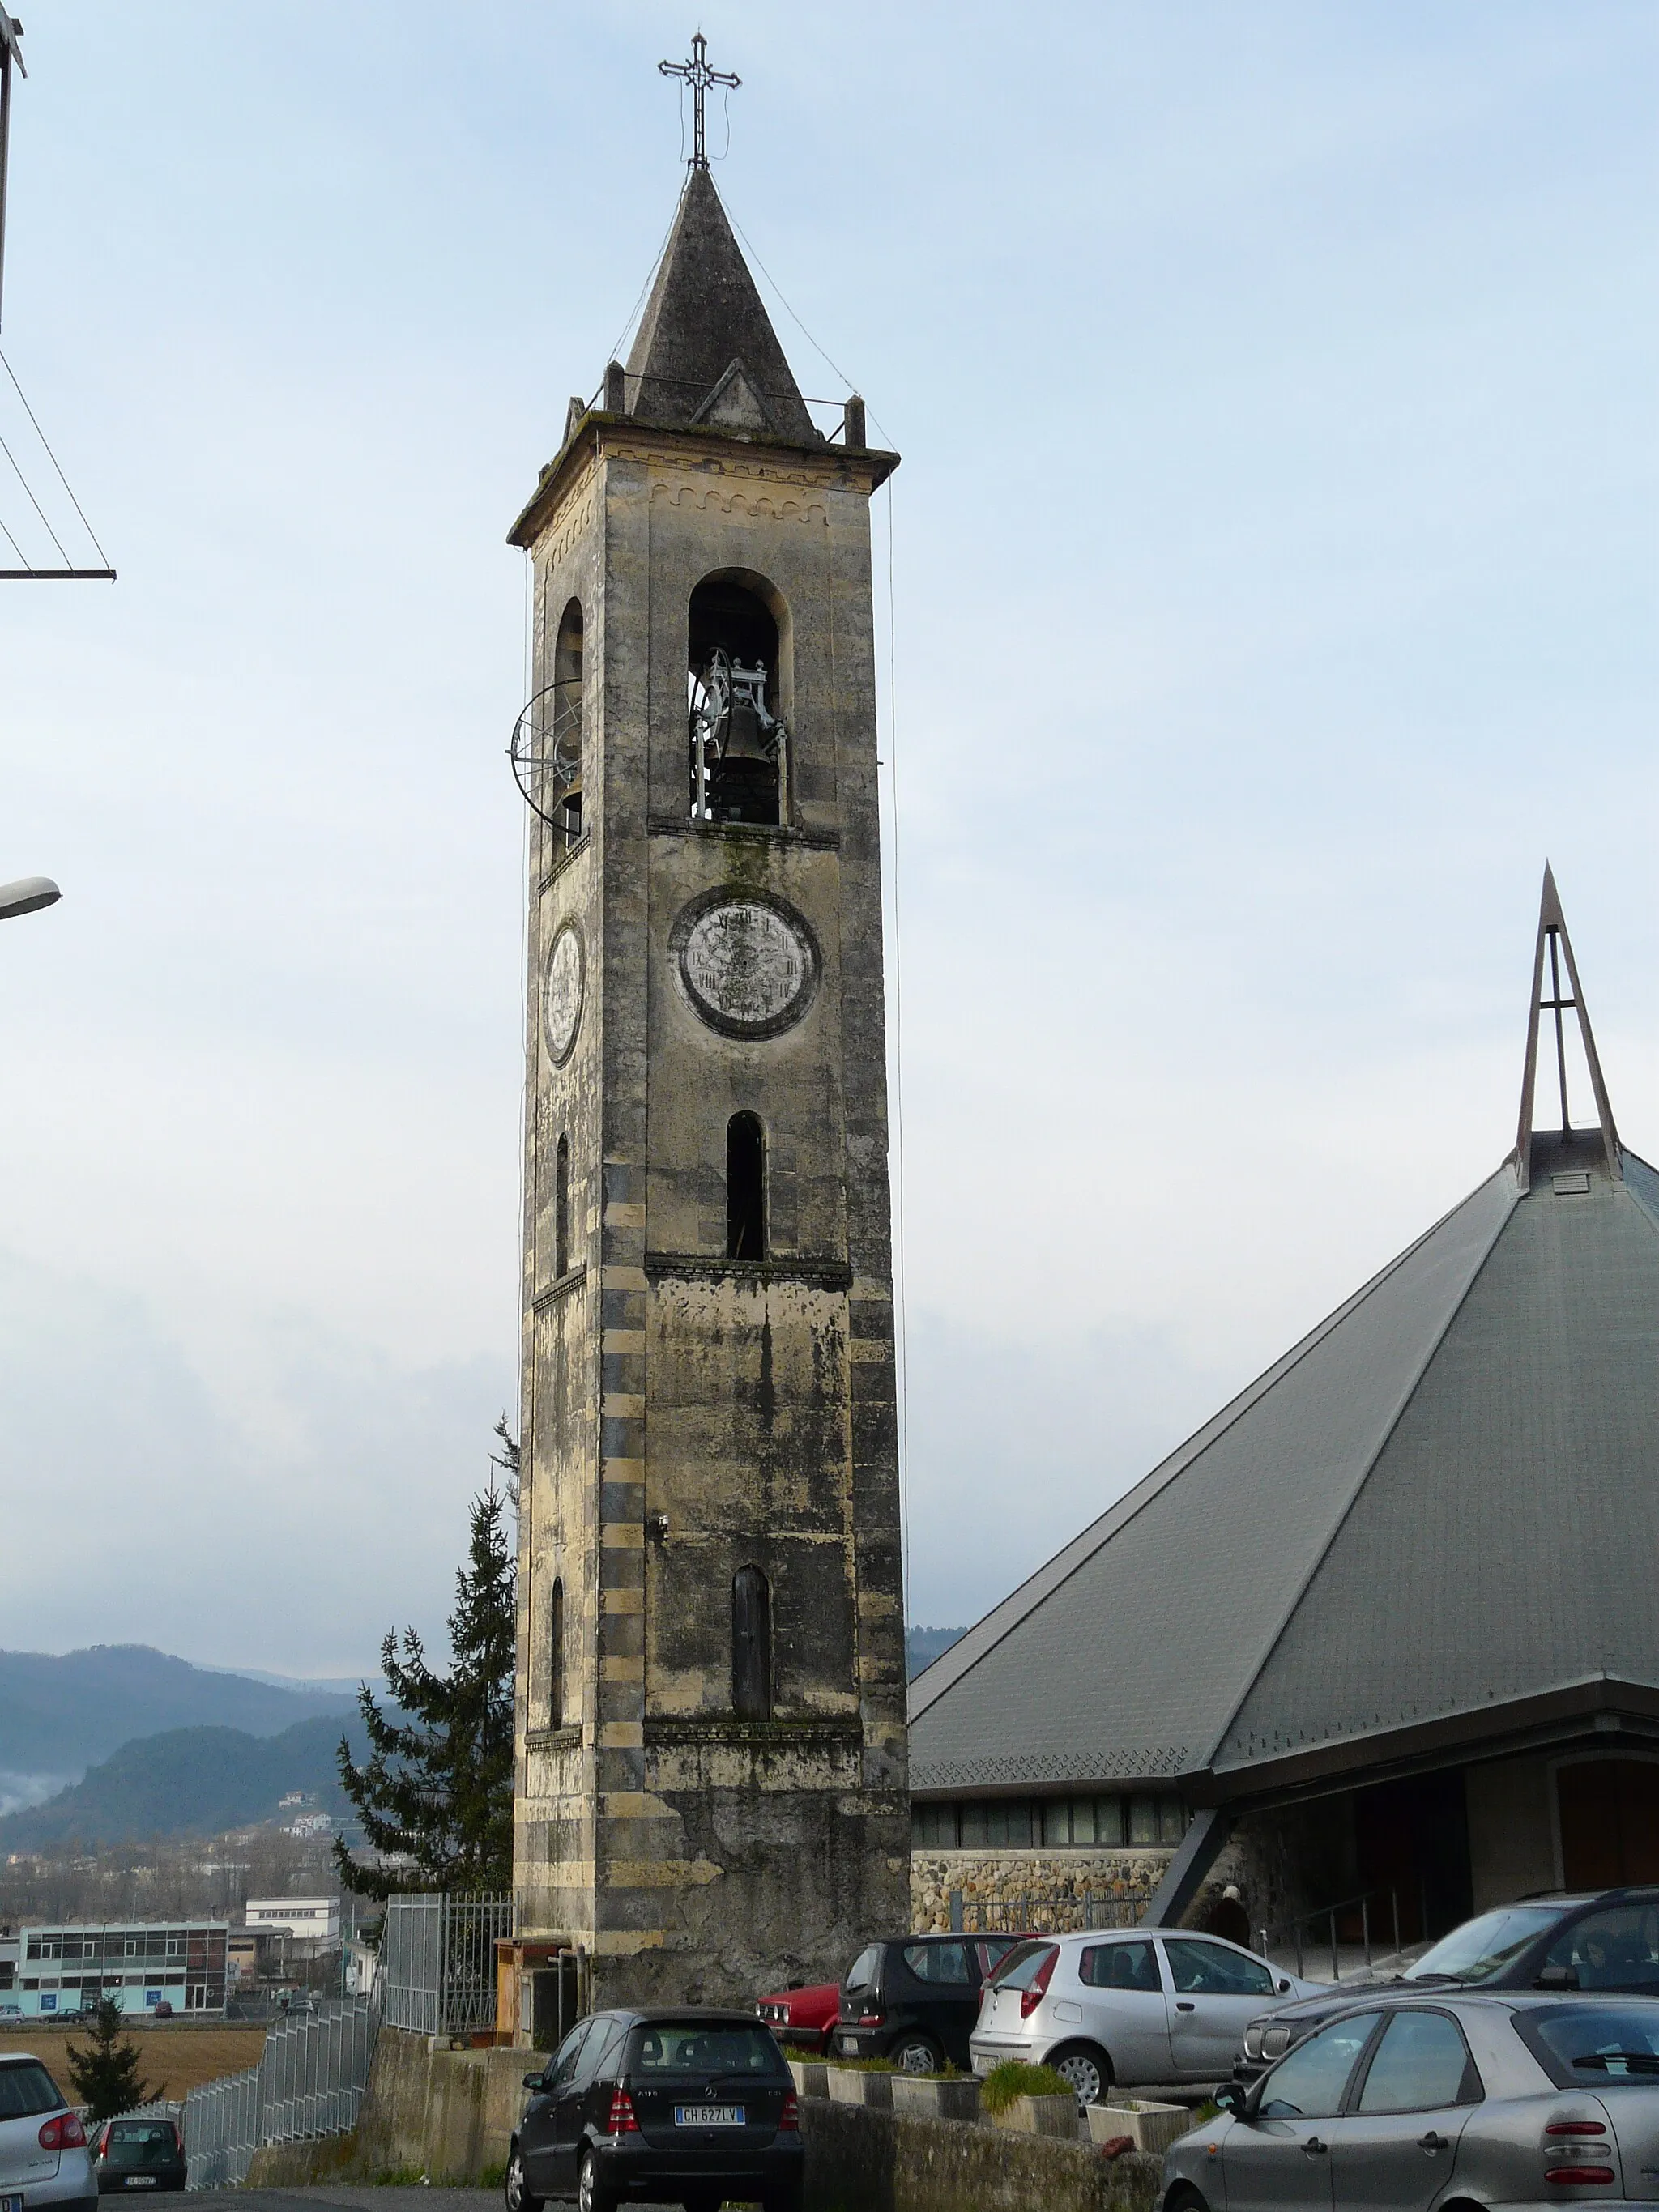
x,y
739,735
710,1795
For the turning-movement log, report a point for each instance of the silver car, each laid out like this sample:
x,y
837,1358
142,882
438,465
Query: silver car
x,y
1124,2006
1407,2103
43,2146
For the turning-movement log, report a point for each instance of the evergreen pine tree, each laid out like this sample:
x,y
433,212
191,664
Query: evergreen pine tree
x,y
438,1782
106,2073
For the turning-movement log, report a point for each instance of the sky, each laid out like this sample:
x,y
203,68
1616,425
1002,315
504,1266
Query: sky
x,y
1267,590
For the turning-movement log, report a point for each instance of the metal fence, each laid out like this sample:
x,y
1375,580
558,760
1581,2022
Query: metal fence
x,y
309,2082
1047,1916
437,1968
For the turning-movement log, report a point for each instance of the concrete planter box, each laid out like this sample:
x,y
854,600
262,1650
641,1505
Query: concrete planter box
x,y
1150,2127
1042,2116
808,2075
849,2086
927,2099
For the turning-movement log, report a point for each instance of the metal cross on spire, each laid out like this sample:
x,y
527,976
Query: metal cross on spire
x,y
697,74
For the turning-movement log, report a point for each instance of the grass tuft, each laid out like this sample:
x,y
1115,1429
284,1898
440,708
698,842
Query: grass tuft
x,y
1014,2078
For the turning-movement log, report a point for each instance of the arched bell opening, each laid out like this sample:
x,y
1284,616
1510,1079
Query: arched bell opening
x,y
736,638
564,811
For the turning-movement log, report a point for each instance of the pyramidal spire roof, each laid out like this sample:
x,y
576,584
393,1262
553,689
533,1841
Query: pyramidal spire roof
x,y
1419,1520
706,351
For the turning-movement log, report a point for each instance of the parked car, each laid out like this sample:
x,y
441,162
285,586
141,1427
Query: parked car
x,y
914,1999
138,2151
1594,1940
681,2104
43,2145
1407,2099
1118,2008
803,2017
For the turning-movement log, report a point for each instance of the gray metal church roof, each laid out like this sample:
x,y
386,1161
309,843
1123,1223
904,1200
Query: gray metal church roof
x,y
1426,1509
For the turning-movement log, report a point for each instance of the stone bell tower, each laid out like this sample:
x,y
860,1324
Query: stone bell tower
x,y
710,1779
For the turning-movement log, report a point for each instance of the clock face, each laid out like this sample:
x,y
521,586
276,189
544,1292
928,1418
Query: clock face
x,y
748,965
562,1000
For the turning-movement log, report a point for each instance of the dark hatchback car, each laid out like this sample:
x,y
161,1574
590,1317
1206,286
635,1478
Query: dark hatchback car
x,y
1594,1940
133,2154
914,1999
679,2106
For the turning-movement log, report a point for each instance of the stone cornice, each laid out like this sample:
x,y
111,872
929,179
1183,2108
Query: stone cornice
x,y
601,433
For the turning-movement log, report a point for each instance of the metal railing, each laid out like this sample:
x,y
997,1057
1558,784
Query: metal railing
x,y
309,2082
1048,1916
437,1970
1298,1931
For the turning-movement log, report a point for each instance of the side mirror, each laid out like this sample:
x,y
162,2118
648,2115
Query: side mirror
x,y
1229,2097
532,2081
1557,1977
1283,1987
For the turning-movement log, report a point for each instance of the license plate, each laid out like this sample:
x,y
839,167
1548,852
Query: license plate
x,y
140,2181
701,2116
11,2204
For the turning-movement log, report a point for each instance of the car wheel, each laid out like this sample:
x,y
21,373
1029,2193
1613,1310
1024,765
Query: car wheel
x,y
516,2188
1086,2067
1186,2199
591,2194
915,2053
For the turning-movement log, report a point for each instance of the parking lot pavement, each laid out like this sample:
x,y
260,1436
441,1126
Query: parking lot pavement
x,y
359,2200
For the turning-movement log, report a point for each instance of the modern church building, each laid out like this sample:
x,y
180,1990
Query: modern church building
x,y
1388,1624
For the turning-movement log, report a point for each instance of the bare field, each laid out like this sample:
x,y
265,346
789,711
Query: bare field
x,y
175,2059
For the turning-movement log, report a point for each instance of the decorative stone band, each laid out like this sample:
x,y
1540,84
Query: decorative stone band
x,y
693,1266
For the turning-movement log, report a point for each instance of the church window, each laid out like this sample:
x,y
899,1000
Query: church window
x,y
561,1208
1143,1821
562,742
739,735
556,1657
751,1646
745,1187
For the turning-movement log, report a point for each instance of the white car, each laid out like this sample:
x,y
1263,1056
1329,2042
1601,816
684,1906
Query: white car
x,y
1118,2008
43,2146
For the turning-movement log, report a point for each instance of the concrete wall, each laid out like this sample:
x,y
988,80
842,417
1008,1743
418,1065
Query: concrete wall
x,y
858,2159
449,2114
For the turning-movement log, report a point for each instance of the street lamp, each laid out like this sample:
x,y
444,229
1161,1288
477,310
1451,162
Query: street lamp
x,y
27,896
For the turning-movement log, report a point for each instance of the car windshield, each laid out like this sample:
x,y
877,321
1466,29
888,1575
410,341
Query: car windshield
x,y
1596,2046
26,2090
1483,1947
699,2047
142,2143
1015,1972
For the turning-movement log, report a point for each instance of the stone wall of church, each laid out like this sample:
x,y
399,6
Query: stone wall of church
x,y
1054,1891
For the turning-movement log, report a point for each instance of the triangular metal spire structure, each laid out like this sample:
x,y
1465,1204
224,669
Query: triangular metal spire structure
x,y
1555,944
705,320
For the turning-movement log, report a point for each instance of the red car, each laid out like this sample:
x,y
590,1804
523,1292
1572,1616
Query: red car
x,y
802,2016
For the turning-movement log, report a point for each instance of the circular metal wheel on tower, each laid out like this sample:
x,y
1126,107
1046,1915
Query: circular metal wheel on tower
x,y
546,750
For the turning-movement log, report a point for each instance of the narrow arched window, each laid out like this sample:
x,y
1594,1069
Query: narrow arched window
x,y
555,1658
745,1187
751,1646
562,740
561,1208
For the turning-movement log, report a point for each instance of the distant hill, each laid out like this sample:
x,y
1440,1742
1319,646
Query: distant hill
x,y
187,1782
923,1645
60,1714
